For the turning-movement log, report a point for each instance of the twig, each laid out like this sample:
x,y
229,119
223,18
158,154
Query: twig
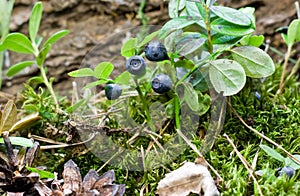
x,y
298,9
68,145
198,153
245,163
265,137
285,64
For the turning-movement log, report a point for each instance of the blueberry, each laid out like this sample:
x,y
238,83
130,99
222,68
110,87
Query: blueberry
x,y
112,91
156,51
161,83
289,171
136,65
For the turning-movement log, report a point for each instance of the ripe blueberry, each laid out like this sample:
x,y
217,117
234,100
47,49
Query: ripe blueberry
x,y
161,83
156,51
136,65
289,171
112,91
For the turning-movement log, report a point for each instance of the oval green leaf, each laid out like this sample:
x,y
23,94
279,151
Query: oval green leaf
x,y
35,20
226,28
128,48
123,78
256,62
13,70
147,39
103,70
293,33
17,42
178,24
231,15
56,36
227,76
272,153
84,72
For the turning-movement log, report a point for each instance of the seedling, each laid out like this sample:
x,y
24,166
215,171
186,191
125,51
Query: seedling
x,y
18,42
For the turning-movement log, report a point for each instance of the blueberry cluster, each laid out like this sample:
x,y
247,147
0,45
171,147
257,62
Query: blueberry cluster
x,y
136,65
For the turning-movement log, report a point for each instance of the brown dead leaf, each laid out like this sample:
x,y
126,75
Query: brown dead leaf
x,y
89,180
9,116
72,178
189,178
25,122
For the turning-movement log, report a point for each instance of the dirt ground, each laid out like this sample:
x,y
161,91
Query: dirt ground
x,y
92,21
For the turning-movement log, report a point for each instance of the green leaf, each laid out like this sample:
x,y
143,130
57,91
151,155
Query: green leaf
x,y
56,36
188,95
189,43
17,42
204,103
35,20
75,106
293,33
36,79
84,72
221,26
174,7
227,76
148,38
16,68
222,39
178,24
42,173
289,162
256,62
128,48
272,153
253,40
20,141
199,80
192,8
93,84
103,70
232,15
9,116
123,78
41,57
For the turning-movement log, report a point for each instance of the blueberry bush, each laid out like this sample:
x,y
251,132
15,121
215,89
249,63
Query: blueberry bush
x,y
173,79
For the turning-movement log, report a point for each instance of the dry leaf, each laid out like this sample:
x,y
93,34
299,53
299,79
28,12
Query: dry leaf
x,y
9,116
25,122
189,178
72,178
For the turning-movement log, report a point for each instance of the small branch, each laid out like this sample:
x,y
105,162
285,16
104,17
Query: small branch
x,y
265,137
198,153
145,105
286,60
245,163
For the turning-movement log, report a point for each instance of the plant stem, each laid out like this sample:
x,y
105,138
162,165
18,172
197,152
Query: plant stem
x,y
141,13
286,60
145,105
49,87
207,23
1,67
177,111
